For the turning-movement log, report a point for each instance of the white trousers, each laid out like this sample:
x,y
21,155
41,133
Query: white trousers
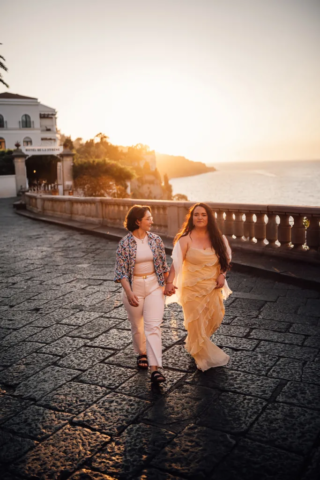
x,y
146,318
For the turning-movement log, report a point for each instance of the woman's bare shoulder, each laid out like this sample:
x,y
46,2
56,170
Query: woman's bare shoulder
x,y
184,240
184,244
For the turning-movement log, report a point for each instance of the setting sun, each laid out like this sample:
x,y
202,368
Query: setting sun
x,y
166,111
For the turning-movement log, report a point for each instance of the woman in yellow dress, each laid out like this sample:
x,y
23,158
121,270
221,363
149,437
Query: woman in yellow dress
x,y
201,258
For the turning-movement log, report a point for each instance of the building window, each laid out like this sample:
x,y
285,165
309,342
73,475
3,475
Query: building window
x,y
1,121
27,142
2,144
26,121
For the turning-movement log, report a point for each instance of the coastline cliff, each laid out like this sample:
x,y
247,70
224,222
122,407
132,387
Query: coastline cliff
x,y
176,166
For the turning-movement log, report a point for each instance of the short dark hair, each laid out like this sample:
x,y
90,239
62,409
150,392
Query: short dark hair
x,y
137,212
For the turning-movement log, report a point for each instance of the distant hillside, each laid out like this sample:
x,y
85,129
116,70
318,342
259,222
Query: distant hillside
x,y
180,166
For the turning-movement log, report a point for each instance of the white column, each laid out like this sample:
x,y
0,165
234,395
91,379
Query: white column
x,y
19,159
67,173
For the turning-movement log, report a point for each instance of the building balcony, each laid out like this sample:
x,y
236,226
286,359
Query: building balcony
x,y
26,124
48,129
4,125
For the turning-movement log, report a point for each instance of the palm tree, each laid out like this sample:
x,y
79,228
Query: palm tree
x,y
2,65
102,137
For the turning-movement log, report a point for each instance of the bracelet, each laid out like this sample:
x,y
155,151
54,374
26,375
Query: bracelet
x,y
224,274
168,283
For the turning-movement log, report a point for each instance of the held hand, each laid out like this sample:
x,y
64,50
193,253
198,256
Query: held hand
x,y
220,281
170,289
133,299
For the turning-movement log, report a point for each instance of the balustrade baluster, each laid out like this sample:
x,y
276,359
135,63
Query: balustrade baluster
x,y
260,229
155,214
164,220
313,234
249,226
228,224
115,212
238,229
284,230
220,221
298,232
123,214
272,230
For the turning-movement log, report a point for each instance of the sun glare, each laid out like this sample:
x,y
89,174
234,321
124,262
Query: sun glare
x,y
172,115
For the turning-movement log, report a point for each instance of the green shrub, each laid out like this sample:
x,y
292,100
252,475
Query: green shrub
x,y
6,162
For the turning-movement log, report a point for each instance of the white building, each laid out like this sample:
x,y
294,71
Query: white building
x,y
27,121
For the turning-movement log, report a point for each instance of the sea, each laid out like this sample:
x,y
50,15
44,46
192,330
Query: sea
x,y
281,183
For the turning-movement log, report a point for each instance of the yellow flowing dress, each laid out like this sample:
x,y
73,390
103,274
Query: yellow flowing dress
x,y
203,307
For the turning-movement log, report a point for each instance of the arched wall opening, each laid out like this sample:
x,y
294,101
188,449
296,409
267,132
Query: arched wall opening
x,y
42,170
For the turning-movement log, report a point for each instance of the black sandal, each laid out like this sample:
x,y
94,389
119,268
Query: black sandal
x,y
142,361
157,377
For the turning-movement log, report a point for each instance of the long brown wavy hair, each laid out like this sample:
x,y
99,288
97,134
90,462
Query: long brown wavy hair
x,y
215,235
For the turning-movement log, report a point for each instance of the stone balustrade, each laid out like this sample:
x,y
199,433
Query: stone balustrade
x,y
288,231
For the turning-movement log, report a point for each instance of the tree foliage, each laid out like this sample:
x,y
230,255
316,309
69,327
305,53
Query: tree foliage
x,y
180,197
99,168
3,67
99,186
68,144
98,148
167,188
100,178
6,162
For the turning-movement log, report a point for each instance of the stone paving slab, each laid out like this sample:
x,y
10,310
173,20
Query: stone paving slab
x,y
13,447
124,411
251,461
45,381
73,397
302,424
26,368
61,454
85,474
36,422
127,455
195,452
234,381
10,356
178,409
10,406
74,405
110,376
140,385
232,413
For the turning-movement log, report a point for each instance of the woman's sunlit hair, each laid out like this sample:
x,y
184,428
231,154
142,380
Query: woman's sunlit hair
x,y
137,212
215,235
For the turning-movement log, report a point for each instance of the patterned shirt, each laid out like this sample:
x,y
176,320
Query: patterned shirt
x,y
126,258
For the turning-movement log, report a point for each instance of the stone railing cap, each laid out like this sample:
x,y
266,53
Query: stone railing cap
x,y
67,152
19,153
223,207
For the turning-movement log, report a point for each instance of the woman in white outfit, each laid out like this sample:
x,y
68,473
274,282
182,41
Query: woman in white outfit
x,y
142,269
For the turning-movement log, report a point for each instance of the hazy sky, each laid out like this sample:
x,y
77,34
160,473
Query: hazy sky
x,y
214,80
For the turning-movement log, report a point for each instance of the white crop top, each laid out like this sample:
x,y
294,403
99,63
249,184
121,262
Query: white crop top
x,y
144,259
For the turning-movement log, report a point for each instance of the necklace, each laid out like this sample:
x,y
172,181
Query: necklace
x,y
142,239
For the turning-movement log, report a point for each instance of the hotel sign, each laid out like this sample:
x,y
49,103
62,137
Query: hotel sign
x,y
42,150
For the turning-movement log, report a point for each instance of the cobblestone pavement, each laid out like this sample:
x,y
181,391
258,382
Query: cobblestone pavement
x,y
73,405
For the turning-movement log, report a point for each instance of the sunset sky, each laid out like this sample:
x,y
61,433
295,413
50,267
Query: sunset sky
x,y
213,80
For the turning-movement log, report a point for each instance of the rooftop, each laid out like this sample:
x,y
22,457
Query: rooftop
x,y
15,96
